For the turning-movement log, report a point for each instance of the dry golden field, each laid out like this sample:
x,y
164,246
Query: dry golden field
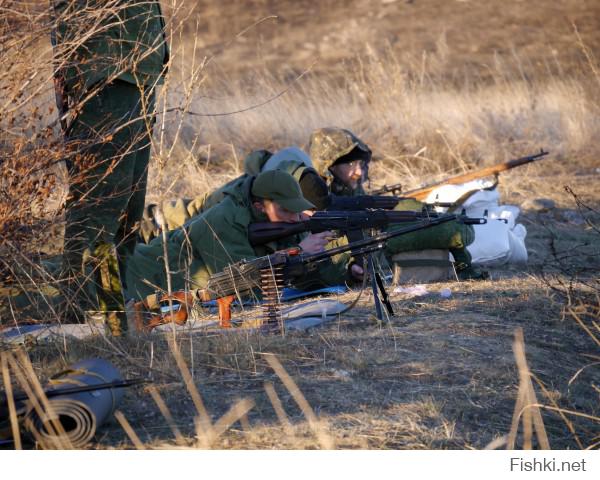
x,y
435,87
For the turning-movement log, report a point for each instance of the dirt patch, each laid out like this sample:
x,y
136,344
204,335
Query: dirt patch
x,y
463,38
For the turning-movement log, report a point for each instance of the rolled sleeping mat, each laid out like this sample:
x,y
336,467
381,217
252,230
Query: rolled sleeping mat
x,y
80,414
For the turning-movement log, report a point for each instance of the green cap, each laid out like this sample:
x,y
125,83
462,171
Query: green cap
x,y
281,187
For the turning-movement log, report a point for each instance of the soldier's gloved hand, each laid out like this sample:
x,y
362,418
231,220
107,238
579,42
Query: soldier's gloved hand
x,y
316,242
357,272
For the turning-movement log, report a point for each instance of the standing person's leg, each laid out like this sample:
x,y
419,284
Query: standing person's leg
x,y
126,237
88,162
109,127
126,196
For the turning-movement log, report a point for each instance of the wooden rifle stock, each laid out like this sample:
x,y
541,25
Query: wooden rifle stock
x,y
421,193
170,308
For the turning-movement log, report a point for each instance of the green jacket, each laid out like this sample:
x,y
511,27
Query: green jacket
x,y
126,41
253,165
254,161
209,242
177,212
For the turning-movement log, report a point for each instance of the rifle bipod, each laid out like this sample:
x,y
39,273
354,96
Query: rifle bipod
x,y
379,290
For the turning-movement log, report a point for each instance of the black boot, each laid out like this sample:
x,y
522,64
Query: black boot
x,y
463,267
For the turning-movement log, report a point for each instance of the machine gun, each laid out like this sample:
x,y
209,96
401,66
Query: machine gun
x,y
352,224
270,274
343,221
422,192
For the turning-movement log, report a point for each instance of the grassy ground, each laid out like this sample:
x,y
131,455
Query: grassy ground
x,y
441,374
435,87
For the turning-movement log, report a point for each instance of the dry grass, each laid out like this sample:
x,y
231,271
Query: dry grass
x,y
425,110
501,79
415,130
441,375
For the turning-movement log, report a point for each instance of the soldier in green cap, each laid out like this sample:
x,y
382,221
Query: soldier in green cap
x,y
341,159
209,242
292,160
110,57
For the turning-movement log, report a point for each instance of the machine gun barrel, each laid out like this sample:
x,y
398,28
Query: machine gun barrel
x,y
343,221
242,277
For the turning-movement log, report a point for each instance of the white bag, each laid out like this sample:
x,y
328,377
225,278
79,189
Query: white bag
x,y
452,193
491,245
518,251
501,240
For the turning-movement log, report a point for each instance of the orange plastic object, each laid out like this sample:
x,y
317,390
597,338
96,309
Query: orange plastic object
x,y
173,308
224,304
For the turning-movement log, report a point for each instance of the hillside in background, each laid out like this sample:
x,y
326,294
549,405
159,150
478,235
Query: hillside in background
x,y
461,82
464,38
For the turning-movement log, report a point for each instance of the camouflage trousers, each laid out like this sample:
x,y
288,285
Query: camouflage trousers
x,y
109,142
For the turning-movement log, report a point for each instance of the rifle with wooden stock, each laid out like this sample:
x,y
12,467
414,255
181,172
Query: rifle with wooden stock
x,y
270,273
422,192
